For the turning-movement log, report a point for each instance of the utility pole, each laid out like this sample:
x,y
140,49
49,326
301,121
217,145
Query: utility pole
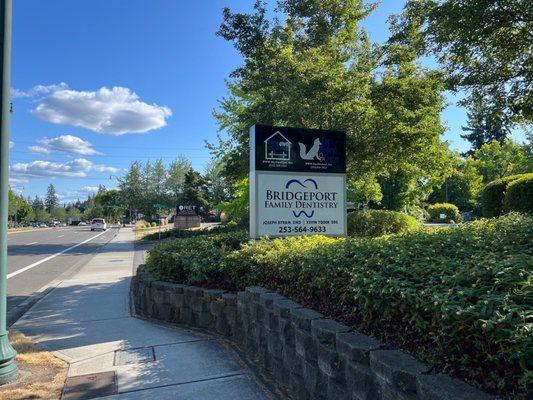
x,y
8,368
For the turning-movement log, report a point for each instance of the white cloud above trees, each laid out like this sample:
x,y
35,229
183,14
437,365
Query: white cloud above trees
x,y
78,168
115,111
66,144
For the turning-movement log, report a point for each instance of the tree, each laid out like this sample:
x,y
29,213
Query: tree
x,y
51,200
194,190
484,46
484,125
59,213
317,69
41,215
176,177
461,187
131,188
218,189
494,160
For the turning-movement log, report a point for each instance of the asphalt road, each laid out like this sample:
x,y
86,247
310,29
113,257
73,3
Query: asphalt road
x,y
38,257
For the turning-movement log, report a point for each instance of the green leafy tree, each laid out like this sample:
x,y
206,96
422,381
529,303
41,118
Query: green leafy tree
x,y
176,177
218,189
59,213
494,160
461,187
316,68
131,188
484,46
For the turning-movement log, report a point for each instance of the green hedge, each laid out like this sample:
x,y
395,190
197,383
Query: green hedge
x,y
519,195
187,233
460,299
380,222
449,210
493,194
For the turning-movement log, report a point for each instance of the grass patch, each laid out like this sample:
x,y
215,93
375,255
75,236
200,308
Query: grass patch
x,y
42,375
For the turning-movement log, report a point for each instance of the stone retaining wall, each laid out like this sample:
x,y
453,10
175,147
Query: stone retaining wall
x,y
309,356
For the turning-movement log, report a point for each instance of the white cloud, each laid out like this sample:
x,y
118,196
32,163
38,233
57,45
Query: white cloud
x,y
73,195
14,181
115,111
39,150
37,90
11,144
77,168
64,143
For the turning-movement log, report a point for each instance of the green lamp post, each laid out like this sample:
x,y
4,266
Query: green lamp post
x,y
8,368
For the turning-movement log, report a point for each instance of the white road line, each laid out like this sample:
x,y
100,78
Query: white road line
x,y
60,236
20,271
29,244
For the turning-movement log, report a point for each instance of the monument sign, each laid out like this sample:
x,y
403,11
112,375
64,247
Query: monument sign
x,y
297,182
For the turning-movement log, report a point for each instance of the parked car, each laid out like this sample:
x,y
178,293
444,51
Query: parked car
x,y
82,224
62,225
43,226
98,223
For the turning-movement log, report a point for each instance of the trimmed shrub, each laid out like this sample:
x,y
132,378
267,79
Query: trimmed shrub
x,y
450,211
195,260
459,299
492,196
376,223
519,195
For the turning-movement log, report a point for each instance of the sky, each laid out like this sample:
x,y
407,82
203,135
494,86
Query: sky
x,y
99,84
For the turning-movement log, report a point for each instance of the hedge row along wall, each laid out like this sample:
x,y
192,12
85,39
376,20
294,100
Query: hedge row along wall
x,y
308,356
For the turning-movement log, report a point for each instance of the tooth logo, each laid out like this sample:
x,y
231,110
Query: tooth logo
x,y
303,184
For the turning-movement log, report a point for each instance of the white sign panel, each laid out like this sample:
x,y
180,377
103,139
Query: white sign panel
x,y
296,204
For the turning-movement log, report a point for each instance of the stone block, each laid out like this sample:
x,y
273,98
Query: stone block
x,y
254,292
387,391
305,346
286,331
274,345
292,361
193,291
230,299
302,317
267,299
337,391
213,294
356,347
297,388
397,368
282,307
330,363
216,308
443,387
360,381
326,330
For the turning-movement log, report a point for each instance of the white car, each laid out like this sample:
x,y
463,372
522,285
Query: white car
x,y
98,223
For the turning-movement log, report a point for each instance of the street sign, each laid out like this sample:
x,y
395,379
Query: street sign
x,y
297,182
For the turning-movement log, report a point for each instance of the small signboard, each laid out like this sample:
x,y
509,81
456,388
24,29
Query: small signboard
x,y
297,182
186,210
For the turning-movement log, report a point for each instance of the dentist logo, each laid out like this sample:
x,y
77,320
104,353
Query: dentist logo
x,y
310,183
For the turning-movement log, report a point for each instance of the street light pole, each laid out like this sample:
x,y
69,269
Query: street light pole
x,y
8,368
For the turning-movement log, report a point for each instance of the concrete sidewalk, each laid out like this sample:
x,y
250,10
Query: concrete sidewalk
x,y
86,321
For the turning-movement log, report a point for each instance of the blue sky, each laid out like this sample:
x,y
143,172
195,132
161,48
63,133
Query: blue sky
x,y
71,128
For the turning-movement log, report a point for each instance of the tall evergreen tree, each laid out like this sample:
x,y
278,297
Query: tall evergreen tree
x,y
51,199
484,125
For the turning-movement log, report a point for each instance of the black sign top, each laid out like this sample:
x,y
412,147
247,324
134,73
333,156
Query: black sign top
x,y
298,149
